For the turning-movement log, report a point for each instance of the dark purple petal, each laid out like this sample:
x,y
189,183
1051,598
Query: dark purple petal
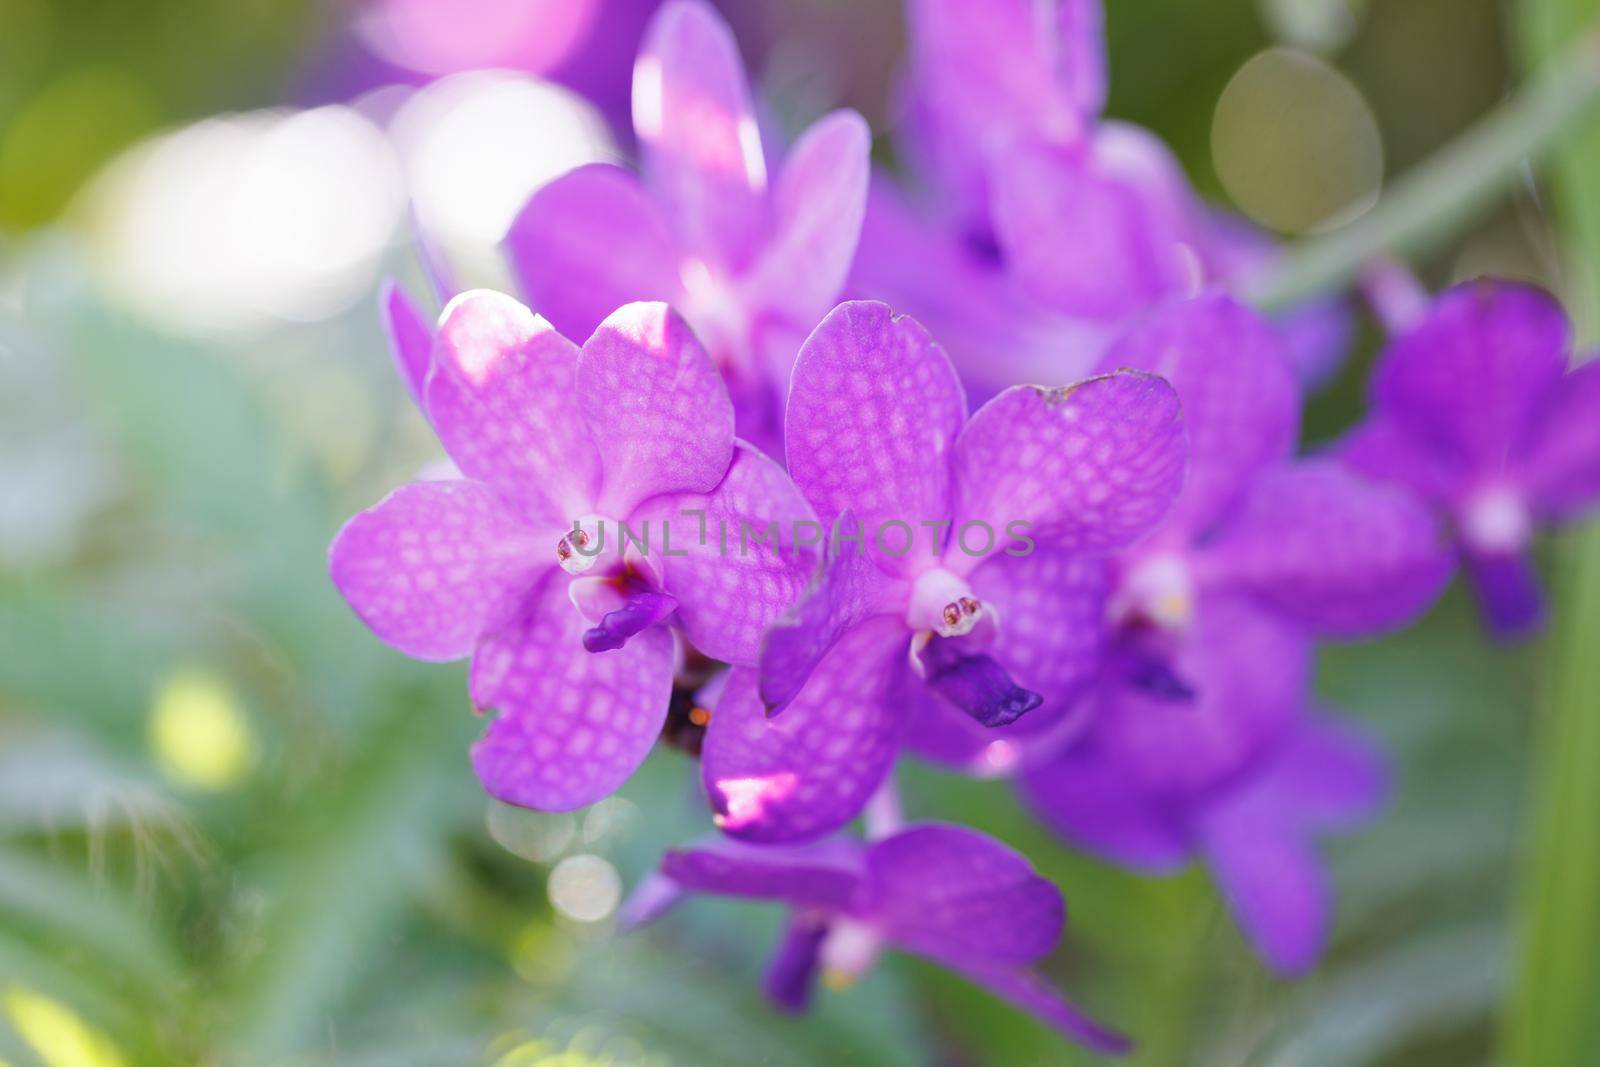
x,y
995,335
811,770
1081,241
589,242
873,410
641,610
1508,591
1559,467
975,683
1331,550
1087,798
695,124
951,893
1051,611
1249,672
791,974
1085,468
410,337
435,566
824,876
817,208
572,725
501,399
1241,404
734,572
1326,776
657,408
1469,378
1383,449
1038,998
846,590
1271,878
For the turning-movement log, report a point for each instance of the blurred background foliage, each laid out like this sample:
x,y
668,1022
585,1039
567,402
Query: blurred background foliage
x,y
235,829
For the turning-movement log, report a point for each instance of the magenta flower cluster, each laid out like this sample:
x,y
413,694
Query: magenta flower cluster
x,y
715,349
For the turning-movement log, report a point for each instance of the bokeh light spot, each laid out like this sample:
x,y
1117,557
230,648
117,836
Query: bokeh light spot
x,y
585,887
57,1034
477,145
536,836
1295,143
199,731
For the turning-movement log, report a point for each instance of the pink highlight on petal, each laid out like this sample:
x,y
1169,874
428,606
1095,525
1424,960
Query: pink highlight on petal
x,y
746,799
496,326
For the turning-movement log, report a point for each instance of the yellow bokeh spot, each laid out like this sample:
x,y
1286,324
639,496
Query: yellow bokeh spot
x,y
60,1038
199,731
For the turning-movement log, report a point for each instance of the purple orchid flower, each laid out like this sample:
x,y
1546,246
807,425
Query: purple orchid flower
x,y
946,893
1042,228
751,264
958,577
1127,791
1475,409
1094,219
1327,551
1197,740
509,563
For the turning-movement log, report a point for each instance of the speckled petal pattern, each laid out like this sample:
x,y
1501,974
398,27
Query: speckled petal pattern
x,y
572,725
873,413
436,565
1089,467
739,580
656,407
500,397
812,769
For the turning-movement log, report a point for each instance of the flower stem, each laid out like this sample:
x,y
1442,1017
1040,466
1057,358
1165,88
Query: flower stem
x,y
1550,1019
1431,203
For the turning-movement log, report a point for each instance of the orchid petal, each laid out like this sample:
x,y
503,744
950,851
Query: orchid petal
x,y
573,725
501,399
1332,551
818,206
952,893
410,337
589,242
695,123
1470,376
435,566
811,770
873,413
1241,404
731,557
1085,468
657,408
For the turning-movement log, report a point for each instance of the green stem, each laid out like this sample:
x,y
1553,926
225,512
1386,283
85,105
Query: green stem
x,y
1550,1019
1431,203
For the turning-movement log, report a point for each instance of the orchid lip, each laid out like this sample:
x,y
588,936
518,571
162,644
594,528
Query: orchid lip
x,y
975,682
